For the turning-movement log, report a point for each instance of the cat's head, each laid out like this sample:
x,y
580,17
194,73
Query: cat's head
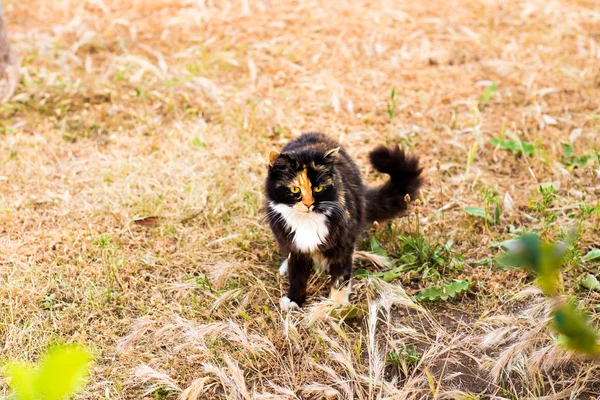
x,y
303,180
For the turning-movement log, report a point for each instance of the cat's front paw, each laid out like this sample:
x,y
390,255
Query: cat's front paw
x,y
288,305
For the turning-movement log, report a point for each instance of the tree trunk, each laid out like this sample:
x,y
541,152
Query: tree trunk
x,y
9,72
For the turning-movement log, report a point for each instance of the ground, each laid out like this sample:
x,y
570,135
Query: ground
x,y
132,160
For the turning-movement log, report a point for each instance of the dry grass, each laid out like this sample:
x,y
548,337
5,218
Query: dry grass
x,y
167,109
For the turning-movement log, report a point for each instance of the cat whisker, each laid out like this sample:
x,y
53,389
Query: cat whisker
x,y
334,207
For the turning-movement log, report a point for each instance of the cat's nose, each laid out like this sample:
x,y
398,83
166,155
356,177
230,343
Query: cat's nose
x,y
307,203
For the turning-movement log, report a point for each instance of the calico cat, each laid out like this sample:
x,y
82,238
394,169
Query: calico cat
x,y
317,206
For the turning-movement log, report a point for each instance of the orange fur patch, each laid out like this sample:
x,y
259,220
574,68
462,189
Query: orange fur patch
x,y
305,186
272,157
340,296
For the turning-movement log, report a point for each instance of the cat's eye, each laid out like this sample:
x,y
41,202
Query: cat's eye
x,y
295,189
318,189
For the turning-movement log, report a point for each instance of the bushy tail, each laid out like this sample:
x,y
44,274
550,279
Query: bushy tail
x,y
388,201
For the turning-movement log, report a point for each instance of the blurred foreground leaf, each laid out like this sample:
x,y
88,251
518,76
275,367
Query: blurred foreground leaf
x,y
59,374
542,258
63,371
22,378
545,260
575,332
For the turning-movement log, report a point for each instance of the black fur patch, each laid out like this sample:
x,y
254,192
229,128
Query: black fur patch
x,y
387,201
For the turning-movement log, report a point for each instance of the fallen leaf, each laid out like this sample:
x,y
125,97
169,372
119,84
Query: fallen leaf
x,y
593,254
590,282
148,221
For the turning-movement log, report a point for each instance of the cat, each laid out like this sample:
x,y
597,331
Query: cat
x,y
317,206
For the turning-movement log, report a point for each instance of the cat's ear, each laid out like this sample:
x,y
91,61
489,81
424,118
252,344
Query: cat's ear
x,y
272,157
331,153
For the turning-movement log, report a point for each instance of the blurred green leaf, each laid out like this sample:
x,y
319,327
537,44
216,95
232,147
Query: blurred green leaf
x,y
196,141
570,159
592,255
362,273
542,258
60,373
545,260
589,281
568,151
489,91
575,332
21,379
63,371
434,293
392,275
514,146
582,161
496,214
478,212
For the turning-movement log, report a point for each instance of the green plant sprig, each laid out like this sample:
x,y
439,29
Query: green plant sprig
x,y
545,261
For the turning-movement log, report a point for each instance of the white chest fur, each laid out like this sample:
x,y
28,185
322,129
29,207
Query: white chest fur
x,y
308,229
